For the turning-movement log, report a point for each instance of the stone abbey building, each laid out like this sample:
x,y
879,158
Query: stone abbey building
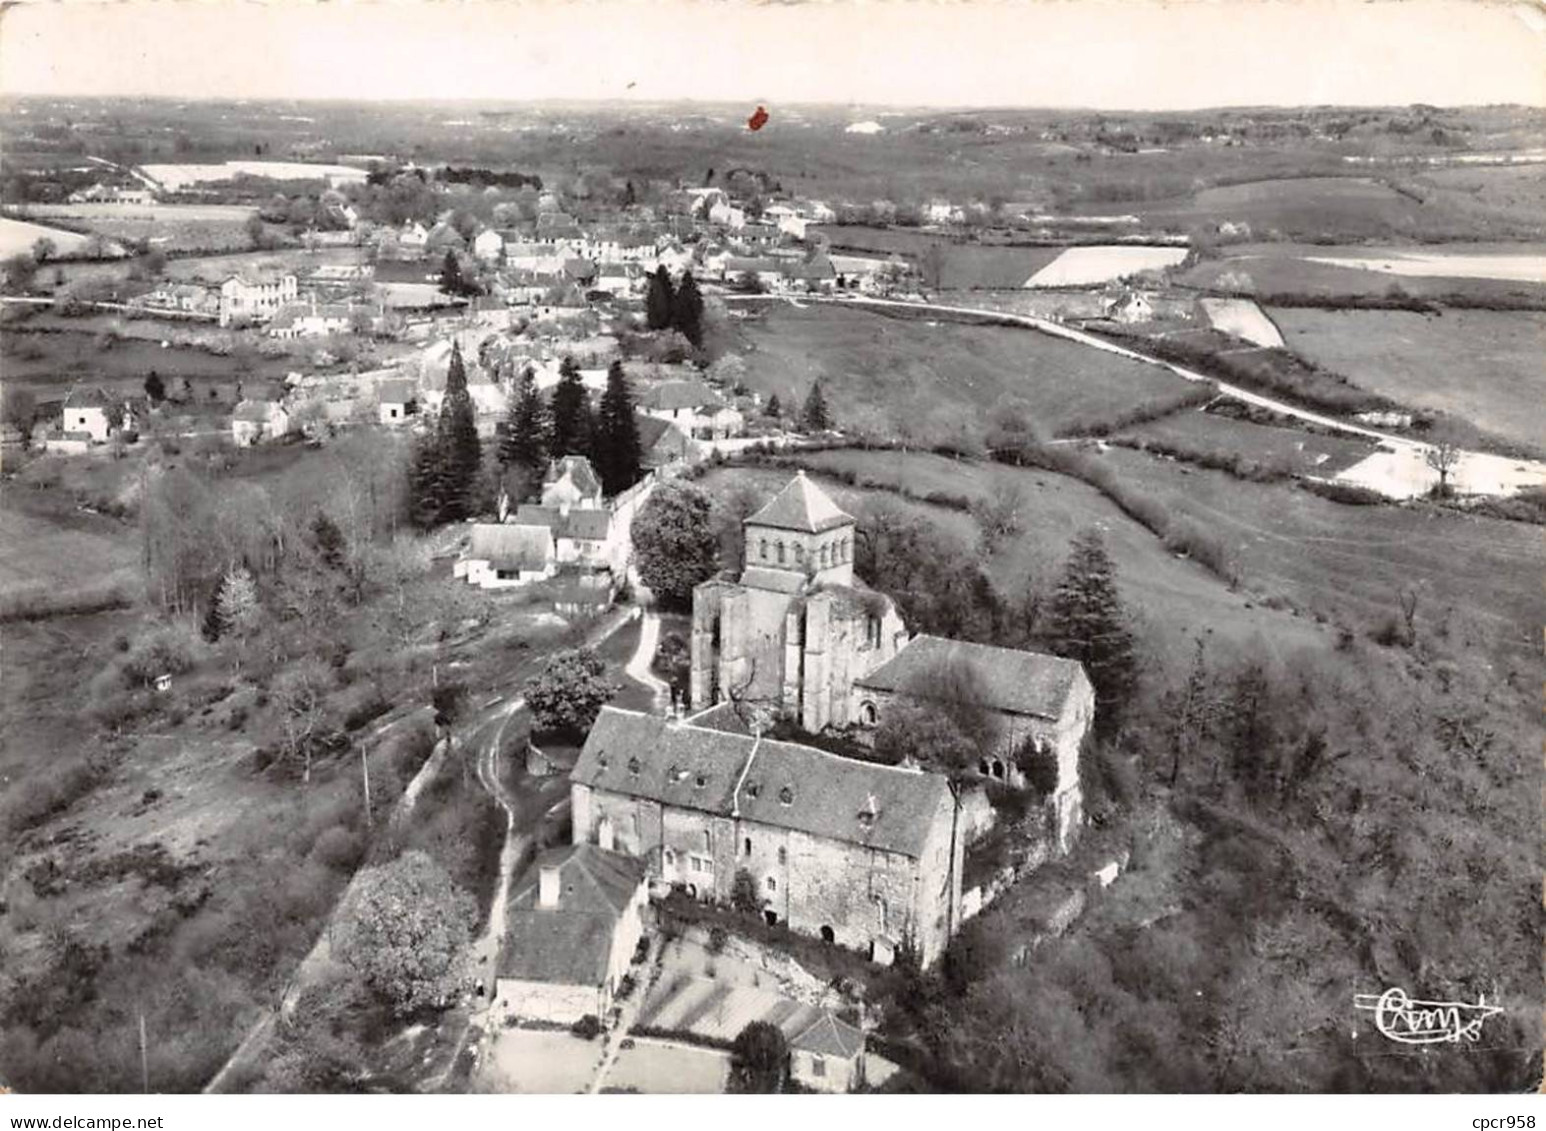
x,y
862,854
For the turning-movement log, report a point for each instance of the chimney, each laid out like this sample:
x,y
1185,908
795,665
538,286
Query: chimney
x,y
547,886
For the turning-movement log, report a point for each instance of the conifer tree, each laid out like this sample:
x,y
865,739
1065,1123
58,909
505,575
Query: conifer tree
x,y
1088,623
456,437
687,310
774,409
451,274
329,541
660,300
426,482
814,416
524,446
571,414
615,451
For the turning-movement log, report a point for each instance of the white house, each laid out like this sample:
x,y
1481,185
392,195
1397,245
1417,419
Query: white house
x,y
413,235
693,407
88,411
396,401
504,555
306,320
571,930
1129,307
488,245
254,421
727,215
255,300
789,221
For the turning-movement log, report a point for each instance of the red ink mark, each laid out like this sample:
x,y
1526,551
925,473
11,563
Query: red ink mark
x,y
757,120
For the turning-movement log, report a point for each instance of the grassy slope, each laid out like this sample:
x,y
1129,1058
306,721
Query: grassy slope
x,y
1484,366
883,373
1296,451
1352,562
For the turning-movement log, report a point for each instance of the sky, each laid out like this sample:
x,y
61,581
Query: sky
x,y
1104,54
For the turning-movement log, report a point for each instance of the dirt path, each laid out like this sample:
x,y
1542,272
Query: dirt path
x,y
638,667
1401,472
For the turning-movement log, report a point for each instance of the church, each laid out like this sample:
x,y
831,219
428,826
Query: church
x,y
797,636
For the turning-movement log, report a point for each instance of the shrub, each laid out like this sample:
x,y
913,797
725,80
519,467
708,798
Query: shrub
x,y
718,937
587,1028
1346,493
338,848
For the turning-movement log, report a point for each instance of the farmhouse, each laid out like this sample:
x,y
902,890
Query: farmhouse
x,y
254,300
571,931
92,412
257,420
303,320
693,407
852,852
488,245
503,556
1037,702
661,443
825,1054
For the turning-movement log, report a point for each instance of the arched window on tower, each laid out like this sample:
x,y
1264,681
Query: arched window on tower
x,y
825,552
762,549
780,553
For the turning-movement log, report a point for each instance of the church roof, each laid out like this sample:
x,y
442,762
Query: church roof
x,y
801,506
779,784
1025,683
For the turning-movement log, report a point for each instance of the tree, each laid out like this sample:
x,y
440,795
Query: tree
x,y
571,413
675,543
813,416
155,388
687,310
19,271
451,282
328,541
659,300
615,449
1442,456
426,483
759,1059
256,236
568,693
525,442
774,410
456,435
932,264
1086,622
915,732
236,603
405,931
43,249
1038,763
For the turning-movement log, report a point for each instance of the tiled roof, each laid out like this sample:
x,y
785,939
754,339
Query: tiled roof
x,y
785,785
673,395
511,546
568,944
826,1036
1026,683
653,430
398,391
778,580
802,506
587,525
578,470
90,397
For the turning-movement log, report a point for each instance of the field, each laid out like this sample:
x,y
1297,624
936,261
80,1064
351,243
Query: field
x,y
1092,266
1290,450
18,236
1482,366
177,177
50,364
170,227
44,542
935,382
1353,562
1244,319
965,266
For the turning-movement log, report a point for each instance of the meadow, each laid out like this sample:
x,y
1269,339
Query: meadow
x,y
937,382
964,266
1254,450
1482,366
18,236
51,363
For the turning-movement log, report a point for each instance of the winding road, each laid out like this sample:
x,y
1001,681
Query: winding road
x,y
1400,471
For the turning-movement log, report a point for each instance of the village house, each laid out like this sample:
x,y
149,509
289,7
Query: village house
x,y
1035,700
313,319
815,274
826,1054
396,401
182,298
727,215
91,412
413,236
693,407
1128,307
488,245
571,929
255,421
255,300
662,443
789,221
503,556
735,269
855,853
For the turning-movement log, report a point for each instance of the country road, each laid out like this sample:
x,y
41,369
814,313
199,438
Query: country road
x,y
1400,471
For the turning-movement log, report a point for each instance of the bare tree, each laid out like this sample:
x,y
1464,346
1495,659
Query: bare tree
x,y
299,693
1442,456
